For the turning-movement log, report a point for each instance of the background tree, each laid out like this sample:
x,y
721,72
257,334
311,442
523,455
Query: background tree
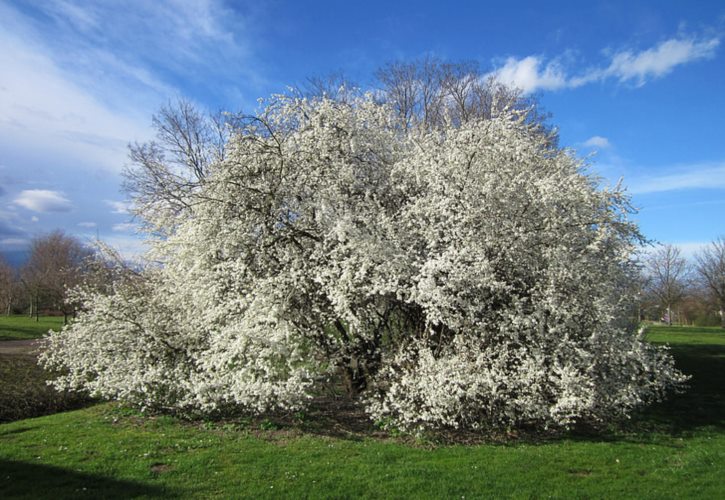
x,y
432,93
8,286
667,274
165,174
334,86
56,263
710,267
698,307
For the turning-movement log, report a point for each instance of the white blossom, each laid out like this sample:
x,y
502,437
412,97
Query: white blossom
x,y
463,276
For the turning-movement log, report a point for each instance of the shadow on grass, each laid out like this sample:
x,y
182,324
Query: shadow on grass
x,y
24,392
19,430
23,333
27,480
26,331
700,408
702,405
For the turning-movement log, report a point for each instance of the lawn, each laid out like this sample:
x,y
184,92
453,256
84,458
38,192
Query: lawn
x,y
674,449
19,327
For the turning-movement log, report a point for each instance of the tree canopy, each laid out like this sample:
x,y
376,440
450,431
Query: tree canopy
x,y
467,275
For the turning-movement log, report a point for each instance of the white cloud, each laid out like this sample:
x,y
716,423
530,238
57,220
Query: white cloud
x,y
87,225
124,227
12,243
533,73
34,219
38,101
129,247
689,248
80,80
43,200
133,43
699,176
660,60
45,106
118,207
597,141
528,75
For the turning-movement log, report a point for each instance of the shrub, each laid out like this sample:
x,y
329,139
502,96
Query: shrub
x,y
467,275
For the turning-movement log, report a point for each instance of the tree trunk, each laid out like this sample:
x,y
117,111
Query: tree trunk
x,y
722,316
353,378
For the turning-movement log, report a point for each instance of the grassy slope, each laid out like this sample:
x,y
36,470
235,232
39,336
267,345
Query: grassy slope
x,y
676,449
23,328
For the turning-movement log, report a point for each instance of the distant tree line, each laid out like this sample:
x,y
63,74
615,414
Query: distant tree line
x,y
56,263
673,289
676,290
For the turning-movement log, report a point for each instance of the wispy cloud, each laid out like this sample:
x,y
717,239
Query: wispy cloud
x,y
124,227
147,45
85,76
688,249
699,176
43,200
9,227
534,72
39,100
87,225
628,66
118,207
13,243
598,142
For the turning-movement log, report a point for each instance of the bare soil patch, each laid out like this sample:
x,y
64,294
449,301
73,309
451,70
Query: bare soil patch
x,y
22,347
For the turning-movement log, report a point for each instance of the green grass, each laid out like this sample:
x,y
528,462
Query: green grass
x,y
674,449
680,336
20,327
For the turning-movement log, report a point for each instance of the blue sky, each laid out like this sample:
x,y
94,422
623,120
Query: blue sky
x,y
637,86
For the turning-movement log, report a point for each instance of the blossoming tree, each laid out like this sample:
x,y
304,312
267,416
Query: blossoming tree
x,y
468,275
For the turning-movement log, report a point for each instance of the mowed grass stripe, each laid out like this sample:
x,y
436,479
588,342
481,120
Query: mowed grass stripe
x,y
20,327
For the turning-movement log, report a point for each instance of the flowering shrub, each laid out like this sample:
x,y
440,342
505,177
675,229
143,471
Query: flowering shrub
x,y
457,276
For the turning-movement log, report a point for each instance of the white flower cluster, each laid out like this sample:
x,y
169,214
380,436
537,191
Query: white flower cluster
x,y
470,275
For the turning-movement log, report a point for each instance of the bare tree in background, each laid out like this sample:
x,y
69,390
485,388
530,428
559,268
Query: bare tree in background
x,y
710,267
7,286
165,174
56,264
335,86
429,92
667,277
